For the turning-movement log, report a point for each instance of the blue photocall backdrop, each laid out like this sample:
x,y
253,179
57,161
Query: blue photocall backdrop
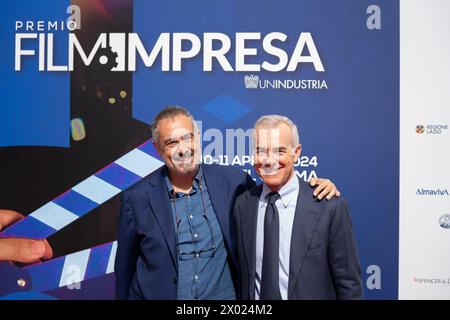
x,y
35,106
352,127
349,129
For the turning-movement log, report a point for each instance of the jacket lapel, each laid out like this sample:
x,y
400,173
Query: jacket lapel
x,y
218,192
305,221
249,219
159,203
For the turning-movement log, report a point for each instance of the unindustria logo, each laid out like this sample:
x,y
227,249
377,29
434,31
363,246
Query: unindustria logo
x,y
255,82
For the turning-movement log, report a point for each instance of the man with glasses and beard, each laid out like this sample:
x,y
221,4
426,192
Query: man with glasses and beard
x,y
176,236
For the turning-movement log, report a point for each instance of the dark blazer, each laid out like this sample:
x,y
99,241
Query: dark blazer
x,y
146,261
324,262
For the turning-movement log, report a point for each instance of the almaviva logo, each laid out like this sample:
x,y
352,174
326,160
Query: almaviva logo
x,y
431,192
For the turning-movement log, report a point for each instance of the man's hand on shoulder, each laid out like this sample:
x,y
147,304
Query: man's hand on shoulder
x,y
324,188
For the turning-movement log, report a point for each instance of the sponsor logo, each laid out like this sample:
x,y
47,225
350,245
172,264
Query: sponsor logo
x,y
432,281
255,82
431,128
420,129
432,192
251,81
444,221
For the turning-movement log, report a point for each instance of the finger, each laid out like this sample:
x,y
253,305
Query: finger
x,y
8,217
338,193
313,182
327,187
48,254
326,191
6,250
319,188
31,251
22,250
332,193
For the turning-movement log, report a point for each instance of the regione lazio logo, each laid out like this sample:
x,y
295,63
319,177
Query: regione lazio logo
x,y
432,128
251,81
420,129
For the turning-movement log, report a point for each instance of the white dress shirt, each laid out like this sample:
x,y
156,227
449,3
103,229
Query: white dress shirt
x,y
286,210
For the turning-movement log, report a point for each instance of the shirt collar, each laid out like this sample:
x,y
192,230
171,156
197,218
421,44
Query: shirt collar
x,y
287,192
195,185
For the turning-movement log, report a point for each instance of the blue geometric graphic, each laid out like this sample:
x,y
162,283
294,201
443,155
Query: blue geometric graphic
x,y
226,109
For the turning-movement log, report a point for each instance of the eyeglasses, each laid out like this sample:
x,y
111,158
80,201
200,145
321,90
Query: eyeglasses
x,y
186,139
207,252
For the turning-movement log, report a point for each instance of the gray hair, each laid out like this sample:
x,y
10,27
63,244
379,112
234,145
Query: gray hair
x,y
273,120
170,112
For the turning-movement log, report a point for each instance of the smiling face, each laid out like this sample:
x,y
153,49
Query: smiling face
x,y
275,155
178,144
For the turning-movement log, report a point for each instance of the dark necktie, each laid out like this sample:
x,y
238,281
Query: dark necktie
x,y
270,287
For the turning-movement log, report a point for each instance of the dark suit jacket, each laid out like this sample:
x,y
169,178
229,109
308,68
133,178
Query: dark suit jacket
x,y
323,259
146,261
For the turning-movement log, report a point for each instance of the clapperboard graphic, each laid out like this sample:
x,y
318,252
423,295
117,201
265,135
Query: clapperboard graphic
x,y
65,209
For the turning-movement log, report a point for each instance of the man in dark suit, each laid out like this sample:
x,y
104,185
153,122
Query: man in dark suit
x,y
291,246
176,235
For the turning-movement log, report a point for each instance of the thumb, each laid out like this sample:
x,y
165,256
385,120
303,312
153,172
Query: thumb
x,y
22,250
8,217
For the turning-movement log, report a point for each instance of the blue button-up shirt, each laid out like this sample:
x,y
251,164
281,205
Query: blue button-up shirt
x,y
203,270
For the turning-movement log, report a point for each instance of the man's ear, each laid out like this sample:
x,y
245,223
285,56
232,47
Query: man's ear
x,y
197,137
297,152
157,147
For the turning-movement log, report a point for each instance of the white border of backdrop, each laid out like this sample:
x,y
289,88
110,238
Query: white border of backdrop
x,y
424,253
